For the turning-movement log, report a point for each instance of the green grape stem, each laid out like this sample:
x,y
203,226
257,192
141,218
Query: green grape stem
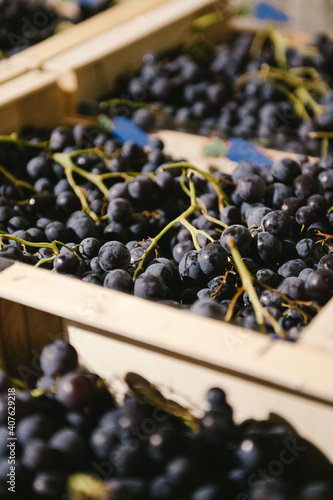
x,y
16,182
14,139
53,246
296,87
222,197
247,282
325,138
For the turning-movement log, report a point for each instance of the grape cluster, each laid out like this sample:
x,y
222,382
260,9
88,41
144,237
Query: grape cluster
x,y
75,440
24,23
231,91
253,247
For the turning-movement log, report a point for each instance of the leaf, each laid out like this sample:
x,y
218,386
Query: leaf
x,y
105,123
147,393
85,487
215,148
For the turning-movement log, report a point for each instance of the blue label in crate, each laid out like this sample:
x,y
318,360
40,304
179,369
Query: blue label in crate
x,y
236,149
125,129
267,12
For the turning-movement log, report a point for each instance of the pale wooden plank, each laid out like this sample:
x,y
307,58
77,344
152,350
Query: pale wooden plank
x,y
190,147
23,96
320,331
100,60
10,70
202,340
23,333
188,382
37,55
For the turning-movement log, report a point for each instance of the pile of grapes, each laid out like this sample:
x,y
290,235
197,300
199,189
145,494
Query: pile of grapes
x,y
24,23
253,248
253,87
75,441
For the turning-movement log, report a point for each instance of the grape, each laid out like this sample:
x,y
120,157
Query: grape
x,y
113,255
240,234
292,268
34,426
254,450
293,287
5,382
120,210
37,455
163,445
66,263
207,492
216,397
76,391
269,247
58,358
189,266
148,286
120,280
70,446
49,485
212,259
81,225
319,285
217,427
316,491
251,188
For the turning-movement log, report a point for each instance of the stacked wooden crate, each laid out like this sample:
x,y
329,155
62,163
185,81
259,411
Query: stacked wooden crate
x,y
172,348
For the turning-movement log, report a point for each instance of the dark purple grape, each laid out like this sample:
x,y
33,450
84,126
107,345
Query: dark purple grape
x,y
71,448
76,391
119,280
251,187
241,236
276,223
49,485
285,170
213,259
148,286
189,267
113,255
319,285
58,358
66,263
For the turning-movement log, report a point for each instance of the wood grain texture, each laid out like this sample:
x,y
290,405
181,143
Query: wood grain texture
x,y
187,382
23,333
37,55
173,332
99,61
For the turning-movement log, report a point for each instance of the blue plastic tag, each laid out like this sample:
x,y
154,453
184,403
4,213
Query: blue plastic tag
x,y
125,129
267,12
242,150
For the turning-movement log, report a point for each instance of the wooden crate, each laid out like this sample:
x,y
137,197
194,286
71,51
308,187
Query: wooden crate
x,y
116,333
36,56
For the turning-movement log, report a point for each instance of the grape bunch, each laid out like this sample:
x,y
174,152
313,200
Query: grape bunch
x,y
76,440
252,248
24,23
241,88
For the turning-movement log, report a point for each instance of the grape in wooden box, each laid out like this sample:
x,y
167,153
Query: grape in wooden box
x,y
158,432
129,217
40,32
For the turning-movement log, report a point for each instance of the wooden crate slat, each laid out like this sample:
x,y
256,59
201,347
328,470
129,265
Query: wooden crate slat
x,y
34,98
188,382
23,333
37,55
164,329
99,61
